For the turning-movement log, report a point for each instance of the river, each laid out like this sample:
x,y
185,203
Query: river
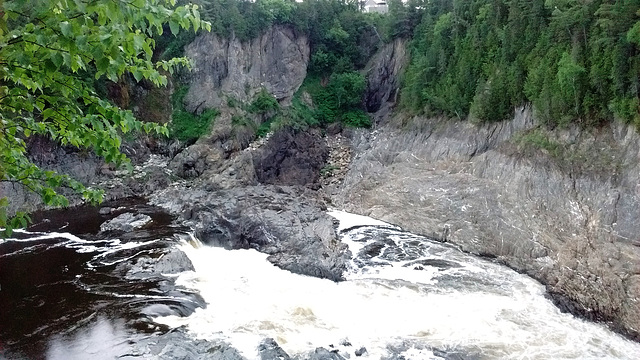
x,y
66,294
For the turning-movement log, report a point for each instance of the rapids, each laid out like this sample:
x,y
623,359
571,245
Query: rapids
x,y
405,296
68,291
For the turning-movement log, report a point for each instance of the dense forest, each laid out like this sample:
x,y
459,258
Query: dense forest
x,y
574,60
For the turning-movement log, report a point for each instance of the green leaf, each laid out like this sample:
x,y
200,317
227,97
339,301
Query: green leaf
x,y
175,28
66,29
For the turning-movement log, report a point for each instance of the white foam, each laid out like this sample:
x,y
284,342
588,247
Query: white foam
x,y
250,299
349,220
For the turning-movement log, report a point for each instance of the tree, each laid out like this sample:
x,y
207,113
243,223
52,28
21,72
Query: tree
x,y
49,51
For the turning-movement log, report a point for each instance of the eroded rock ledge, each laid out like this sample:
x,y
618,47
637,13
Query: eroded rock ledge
x,y
288,223
568,219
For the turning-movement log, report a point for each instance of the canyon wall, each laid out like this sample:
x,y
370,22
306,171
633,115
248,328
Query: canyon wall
x,y
227,68
562,206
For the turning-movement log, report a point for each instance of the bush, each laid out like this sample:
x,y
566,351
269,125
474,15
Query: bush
x,y
356,118
264,102
186,126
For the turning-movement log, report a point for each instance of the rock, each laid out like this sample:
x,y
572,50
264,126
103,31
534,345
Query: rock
x,y
173,262
361,351
105,210
337,164
290,224
323,354
291,158
383,75
270,350
568,221
178,346
126,222
190,163
228,68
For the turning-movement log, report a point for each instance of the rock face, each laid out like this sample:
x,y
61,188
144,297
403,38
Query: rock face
x,y
126,222
569,220
277,60
287,223
383,73
291,158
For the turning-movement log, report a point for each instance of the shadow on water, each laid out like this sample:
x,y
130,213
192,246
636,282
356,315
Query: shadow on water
x,y
70,296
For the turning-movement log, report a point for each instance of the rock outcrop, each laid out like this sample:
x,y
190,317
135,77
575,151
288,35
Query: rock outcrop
x,y
291,158
228,68
290,224
383,77
569,219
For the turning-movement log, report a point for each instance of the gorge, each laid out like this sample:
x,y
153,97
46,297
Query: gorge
x,y
456,202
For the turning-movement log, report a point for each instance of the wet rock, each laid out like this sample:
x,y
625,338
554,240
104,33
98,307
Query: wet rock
x,y
345,342
126,222
174,262
270,350
178,346
437,263
323,354
105,210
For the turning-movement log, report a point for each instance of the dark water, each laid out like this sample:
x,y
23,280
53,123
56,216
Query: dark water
x,y
64,289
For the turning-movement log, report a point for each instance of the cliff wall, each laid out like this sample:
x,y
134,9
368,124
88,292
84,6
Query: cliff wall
x,y
228,68
568,219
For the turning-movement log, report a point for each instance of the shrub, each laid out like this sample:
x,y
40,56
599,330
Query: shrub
x,y
264,102
356,118
186,126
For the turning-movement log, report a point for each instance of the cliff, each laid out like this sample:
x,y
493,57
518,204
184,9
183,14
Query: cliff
x,y
228,68
561,206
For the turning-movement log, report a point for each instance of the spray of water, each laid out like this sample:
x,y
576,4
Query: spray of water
x,y
403,294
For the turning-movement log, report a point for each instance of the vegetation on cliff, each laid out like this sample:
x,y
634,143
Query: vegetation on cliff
x,y
48,49
342,39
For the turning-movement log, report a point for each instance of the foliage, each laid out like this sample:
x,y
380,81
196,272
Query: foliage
x,y
264,128
47,50
172,46
537,139
356,118
186,126
263,103
340,99
576,61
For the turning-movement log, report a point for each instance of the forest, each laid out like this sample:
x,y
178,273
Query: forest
x,y
575,61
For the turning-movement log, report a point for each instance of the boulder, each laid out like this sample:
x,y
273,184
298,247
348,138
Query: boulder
x,y
126,222
288,223
291,158
270,350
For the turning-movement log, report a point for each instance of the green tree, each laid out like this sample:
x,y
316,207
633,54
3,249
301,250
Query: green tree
x,y
48,49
